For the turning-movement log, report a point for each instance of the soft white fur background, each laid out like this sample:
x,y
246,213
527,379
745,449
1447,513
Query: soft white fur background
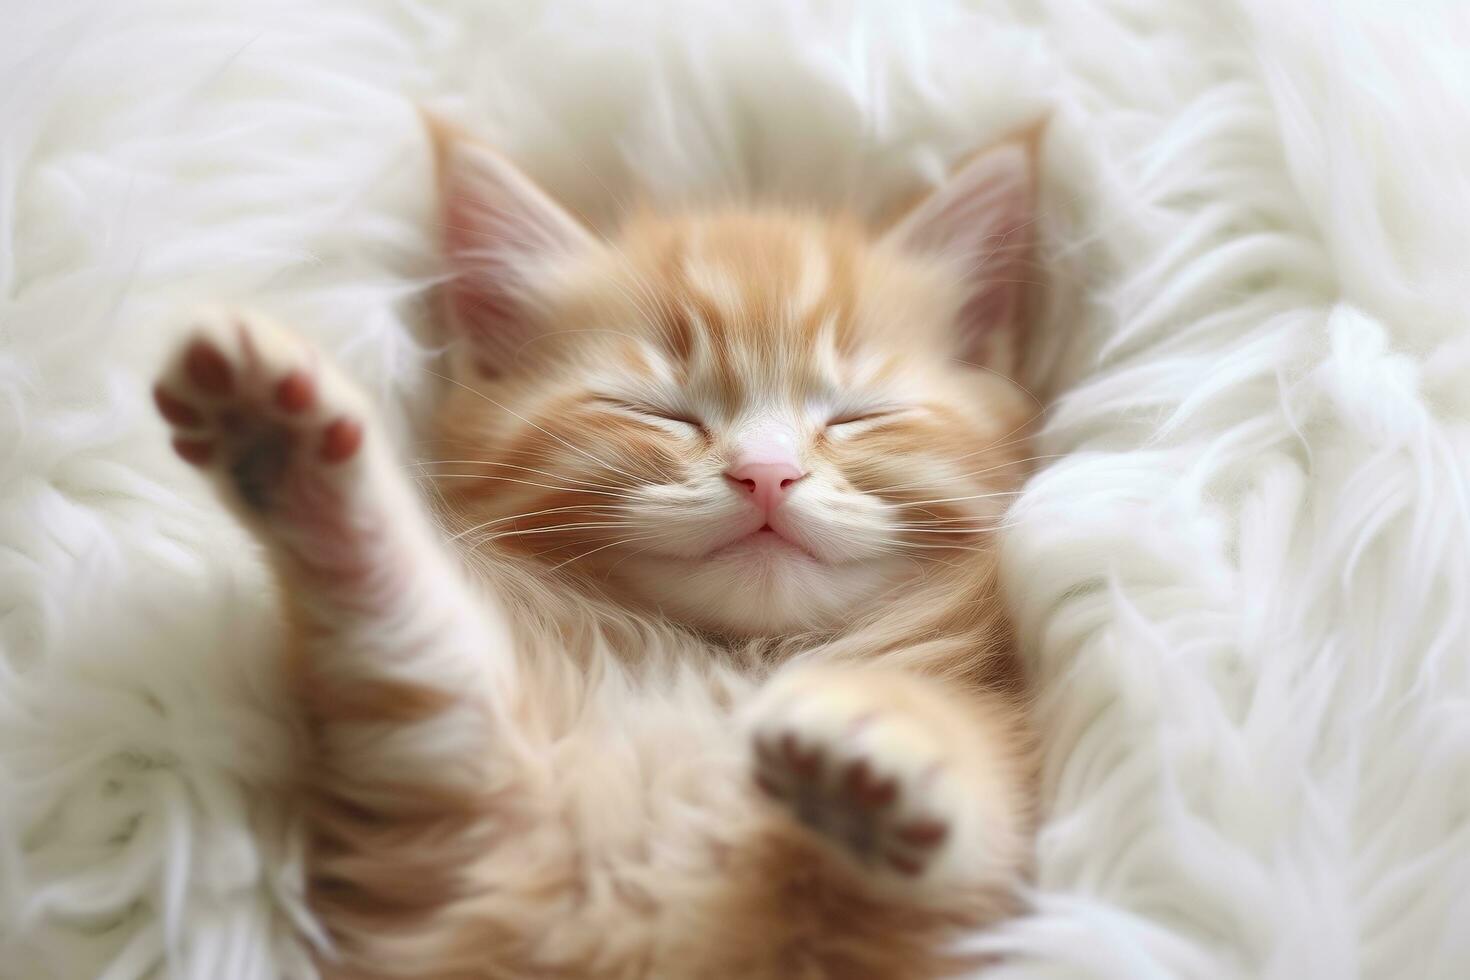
x,y
1245,589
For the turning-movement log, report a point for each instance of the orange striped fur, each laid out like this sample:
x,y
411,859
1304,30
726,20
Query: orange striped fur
x,y
602,735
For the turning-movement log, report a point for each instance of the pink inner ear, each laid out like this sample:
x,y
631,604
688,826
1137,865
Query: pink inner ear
x,y
991,327
983,219
483,308
500,229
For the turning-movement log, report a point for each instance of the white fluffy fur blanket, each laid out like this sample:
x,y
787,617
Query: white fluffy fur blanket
x,y
1244,585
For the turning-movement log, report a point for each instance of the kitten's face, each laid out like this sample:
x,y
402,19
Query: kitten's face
x,y
756,423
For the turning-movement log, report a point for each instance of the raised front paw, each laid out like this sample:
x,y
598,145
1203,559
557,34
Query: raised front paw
x,y
857,765
253,403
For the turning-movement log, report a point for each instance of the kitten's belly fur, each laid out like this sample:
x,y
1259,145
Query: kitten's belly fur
x,y
638,848
637,831
558,793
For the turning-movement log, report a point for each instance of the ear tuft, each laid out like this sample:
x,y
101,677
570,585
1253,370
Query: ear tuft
x,y
983,219
499,231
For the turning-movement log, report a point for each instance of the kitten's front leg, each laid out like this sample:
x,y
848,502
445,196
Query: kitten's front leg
x,y
403,669
921,785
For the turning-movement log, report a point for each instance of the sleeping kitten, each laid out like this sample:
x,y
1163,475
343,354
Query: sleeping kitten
x,y
711,678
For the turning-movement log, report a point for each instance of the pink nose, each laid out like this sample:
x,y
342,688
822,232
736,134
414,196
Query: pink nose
x,y
766,483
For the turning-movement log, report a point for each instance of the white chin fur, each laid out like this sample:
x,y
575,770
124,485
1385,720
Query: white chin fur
x,y
755,591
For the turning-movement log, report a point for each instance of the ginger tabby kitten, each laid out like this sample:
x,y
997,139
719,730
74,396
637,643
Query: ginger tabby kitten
x,y
698,668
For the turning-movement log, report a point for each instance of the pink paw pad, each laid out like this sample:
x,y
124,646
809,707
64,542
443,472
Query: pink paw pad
x,y
194,451
252,403
844,793
805,762
904,864
922,836
208,368
295,393
924,832
175,410
341,440
867,790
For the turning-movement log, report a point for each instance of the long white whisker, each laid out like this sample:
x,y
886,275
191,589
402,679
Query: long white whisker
x,y
964,534
610,544
511,466
480,394
970,475
941,521
530,531
528,483
951,500
613,508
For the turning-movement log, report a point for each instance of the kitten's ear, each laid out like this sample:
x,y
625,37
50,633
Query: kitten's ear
x,y
500,231
984,218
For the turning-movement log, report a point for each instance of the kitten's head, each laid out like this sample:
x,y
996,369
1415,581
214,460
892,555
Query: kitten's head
x,y
755,421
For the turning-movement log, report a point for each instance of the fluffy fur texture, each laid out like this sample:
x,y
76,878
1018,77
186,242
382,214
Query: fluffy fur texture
x,y
1241,591
610,392
737,467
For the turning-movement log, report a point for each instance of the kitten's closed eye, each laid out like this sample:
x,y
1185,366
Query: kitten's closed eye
x,y
654,413
861,415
